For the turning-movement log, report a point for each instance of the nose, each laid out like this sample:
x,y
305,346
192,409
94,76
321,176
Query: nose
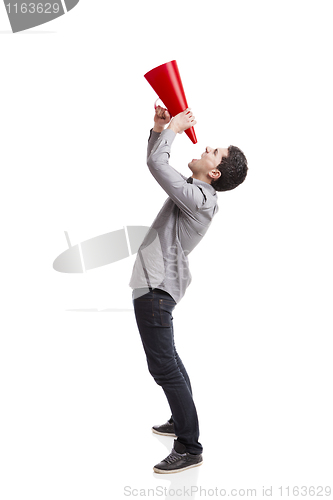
x,y
207,150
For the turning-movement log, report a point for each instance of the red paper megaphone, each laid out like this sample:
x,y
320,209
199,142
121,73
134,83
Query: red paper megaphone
x,y
166,82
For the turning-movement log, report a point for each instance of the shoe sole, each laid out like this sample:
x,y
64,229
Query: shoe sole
x,y
163,433
160,471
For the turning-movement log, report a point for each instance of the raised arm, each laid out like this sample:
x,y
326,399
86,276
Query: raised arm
x,y
188,197
161,119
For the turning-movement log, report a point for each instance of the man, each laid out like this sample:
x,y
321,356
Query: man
x,y
161,272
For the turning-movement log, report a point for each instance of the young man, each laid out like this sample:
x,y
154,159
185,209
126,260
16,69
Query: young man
x,y
161,272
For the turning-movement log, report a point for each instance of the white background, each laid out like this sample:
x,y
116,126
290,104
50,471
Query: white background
x,y
254,328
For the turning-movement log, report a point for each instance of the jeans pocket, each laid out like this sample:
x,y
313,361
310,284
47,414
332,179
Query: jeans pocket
x,y
166,307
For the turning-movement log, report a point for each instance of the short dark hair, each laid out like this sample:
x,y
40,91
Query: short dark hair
x,y
233,170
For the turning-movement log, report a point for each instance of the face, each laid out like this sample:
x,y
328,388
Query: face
x,y
208,163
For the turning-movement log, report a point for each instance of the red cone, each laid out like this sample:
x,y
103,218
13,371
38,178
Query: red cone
x,y
166,82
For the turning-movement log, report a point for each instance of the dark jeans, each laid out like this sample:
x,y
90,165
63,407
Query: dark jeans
x,y
153,313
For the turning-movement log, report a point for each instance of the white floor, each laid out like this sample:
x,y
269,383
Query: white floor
x,y
80,405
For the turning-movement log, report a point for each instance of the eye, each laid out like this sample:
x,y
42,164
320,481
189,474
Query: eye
x,y
215,152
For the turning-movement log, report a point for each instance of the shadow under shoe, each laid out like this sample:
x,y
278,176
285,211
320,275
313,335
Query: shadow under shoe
x,y
167,429
178,460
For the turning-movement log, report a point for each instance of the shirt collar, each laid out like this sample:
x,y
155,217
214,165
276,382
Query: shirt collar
x,y
204,184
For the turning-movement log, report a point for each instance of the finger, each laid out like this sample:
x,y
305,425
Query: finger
x,y
160,110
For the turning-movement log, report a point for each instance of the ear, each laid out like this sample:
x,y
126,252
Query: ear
x,y
214,174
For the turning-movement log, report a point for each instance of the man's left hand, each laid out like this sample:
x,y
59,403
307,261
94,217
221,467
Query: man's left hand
x,y
162,117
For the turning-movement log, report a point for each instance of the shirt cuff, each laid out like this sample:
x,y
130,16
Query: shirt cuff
x,y
168,135
153,135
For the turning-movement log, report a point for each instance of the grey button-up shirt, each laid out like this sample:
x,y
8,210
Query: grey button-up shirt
x,y
180,225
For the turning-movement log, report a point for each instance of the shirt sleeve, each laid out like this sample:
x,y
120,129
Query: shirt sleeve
x,y
153,136
186,196
151,141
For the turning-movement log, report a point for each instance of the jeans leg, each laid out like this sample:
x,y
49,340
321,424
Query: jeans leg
x,y
153,313
180,364
182,369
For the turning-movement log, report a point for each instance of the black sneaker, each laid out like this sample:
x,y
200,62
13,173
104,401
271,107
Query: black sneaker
x,y
167,429
178,461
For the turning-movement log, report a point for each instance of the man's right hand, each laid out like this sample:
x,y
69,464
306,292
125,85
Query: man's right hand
x,y
182,121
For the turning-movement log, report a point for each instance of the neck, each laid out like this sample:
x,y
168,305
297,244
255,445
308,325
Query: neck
x,y
201,177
